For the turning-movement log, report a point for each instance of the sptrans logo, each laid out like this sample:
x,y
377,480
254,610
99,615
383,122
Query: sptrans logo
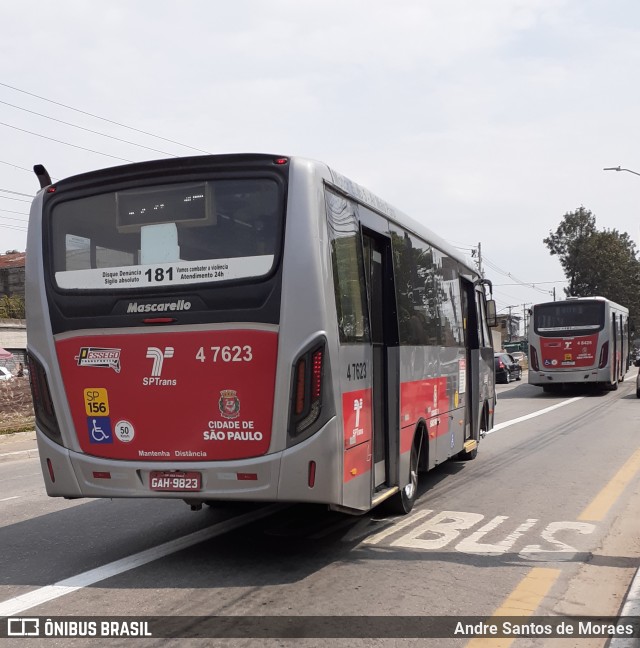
x,y
158,356
179,305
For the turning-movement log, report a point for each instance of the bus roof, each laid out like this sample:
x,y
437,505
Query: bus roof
x,y
369,199
572,300
190,164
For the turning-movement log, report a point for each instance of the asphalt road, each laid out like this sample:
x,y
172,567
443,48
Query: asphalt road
x,y
544,522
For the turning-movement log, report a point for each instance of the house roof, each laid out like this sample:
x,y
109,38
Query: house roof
x,y
15,260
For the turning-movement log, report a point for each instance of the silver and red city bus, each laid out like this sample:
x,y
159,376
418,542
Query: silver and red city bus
x,y
581,340
248,327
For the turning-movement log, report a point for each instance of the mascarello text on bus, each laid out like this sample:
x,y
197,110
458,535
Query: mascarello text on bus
x,y
248,327
579,341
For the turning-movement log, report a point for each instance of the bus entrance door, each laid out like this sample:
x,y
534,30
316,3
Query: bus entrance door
x,y
471,304
385,381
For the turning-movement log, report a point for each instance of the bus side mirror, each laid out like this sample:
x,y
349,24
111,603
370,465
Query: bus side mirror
x,y
637,362
492,320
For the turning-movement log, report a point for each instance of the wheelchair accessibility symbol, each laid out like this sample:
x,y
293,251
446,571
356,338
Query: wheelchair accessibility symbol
x,y
100,429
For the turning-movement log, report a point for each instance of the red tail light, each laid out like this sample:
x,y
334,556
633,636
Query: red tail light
x,y
316,380
42,401
500,364
534,359
300,375
604,356
307,389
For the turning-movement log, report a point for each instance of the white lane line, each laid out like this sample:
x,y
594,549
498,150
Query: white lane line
x,y
29,600
6,499
501,426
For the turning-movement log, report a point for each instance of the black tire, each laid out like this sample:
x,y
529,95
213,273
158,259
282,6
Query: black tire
x,y
519,376
402,503
549,389
637,393
507,379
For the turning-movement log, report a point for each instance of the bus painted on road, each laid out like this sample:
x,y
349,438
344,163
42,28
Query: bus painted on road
x,y
578,341
248,327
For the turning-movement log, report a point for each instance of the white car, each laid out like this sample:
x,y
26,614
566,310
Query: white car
x,y
5,374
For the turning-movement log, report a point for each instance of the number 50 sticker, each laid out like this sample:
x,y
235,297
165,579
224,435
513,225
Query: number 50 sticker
x,y
96,401
124,431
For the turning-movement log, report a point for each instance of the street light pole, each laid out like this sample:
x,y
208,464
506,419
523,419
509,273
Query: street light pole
x,y
618,168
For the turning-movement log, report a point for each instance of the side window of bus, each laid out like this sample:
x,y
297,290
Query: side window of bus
x,y
483,329
417,288
348,269
452,326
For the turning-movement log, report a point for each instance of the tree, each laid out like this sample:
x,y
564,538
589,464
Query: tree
x,y
575,228
12,307
597,262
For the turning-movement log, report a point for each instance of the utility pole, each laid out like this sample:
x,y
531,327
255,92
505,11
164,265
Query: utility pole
x,y
480,260
525,319
509,325
554,293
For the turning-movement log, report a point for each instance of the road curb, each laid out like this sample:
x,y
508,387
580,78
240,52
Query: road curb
x,y
18,454
630,608
18,445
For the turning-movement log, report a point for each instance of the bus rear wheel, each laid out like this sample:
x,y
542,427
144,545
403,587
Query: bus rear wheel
x,y
402,503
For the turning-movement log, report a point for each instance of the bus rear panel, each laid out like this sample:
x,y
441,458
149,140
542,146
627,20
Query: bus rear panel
x,y
578,341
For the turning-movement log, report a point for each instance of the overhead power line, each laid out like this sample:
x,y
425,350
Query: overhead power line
x,y
89,130
20,220
17,199
53,139
519,282
15,166
504,294
533,283
17,193
110,121
14,227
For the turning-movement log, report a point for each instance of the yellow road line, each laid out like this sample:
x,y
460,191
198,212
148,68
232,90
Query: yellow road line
x,y
606,498
523,601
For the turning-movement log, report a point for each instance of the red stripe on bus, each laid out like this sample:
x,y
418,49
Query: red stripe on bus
x,y
357,461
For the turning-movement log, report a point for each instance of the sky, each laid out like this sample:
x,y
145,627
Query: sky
x,y
486,120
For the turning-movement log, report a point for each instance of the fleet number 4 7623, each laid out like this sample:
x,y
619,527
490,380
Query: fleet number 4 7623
x,y
226,354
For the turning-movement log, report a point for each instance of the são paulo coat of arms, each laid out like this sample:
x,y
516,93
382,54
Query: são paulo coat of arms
x,y
229,404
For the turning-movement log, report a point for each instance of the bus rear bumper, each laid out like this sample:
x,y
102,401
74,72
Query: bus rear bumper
x,y
280,476
584,377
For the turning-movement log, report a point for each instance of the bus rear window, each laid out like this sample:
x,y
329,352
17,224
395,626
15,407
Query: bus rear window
x,y
196,232
563,318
